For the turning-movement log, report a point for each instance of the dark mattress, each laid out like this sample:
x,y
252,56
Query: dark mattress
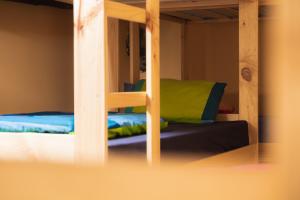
x,y
190,140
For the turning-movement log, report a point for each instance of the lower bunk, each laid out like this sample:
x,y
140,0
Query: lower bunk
x,y
192,104
186,142
189,142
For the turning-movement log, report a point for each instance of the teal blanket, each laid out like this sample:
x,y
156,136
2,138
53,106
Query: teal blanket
x,y
119,124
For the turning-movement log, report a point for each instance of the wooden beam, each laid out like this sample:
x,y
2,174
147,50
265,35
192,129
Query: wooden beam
x,y
182,49
125,12
228,20
172,18
248,65
134,32
208,14
90,81
178,5
125,99
197,5
284,73
113,54
227,117
185,16
153,81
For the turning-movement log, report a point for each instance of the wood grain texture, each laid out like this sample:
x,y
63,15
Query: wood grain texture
x,y
36,181
153,80
181,5
125,99
227,117
45,147
248,66
113,54
183,46
91,88
125,12
250,154
134,46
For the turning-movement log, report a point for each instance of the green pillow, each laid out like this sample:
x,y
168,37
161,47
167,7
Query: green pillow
x,y
189,101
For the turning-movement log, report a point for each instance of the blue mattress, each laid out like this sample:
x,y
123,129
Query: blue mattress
x,y
56,122
178,138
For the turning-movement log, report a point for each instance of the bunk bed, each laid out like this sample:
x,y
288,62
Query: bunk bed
x,y
94,97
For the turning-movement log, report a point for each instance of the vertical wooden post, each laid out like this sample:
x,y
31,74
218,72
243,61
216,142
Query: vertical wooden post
x,y
134,52
153,80
182,50
248,65
113,54
90,80
285,88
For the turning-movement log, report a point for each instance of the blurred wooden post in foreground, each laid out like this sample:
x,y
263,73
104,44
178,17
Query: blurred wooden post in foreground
x,y
285,104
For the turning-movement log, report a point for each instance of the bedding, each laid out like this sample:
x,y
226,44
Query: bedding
x,y
119,124
186,101
189,141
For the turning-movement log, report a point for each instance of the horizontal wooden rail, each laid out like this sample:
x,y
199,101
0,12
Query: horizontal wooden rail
x,y
227,117
125,12
124,99
180,5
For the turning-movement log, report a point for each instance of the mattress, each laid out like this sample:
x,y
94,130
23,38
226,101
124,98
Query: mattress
x,y
190,141
187,141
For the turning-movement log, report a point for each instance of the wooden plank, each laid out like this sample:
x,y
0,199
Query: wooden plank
x,y
90,81
231,13
184,15
27,146
192,4
125,12
196,5
208,14
239,157
47,181
227,117
284,83
125,99
134,32
172,18
153,80
182,50
248,65
178,5
113,54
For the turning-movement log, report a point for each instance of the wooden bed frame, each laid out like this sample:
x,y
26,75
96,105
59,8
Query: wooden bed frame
x,y
94,55
92,98
90,19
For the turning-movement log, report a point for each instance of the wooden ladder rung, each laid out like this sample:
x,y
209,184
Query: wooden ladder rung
x,y
125,12
125,99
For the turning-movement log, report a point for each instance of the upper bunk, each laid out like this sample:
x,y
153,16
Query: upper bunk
x,y
181,10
